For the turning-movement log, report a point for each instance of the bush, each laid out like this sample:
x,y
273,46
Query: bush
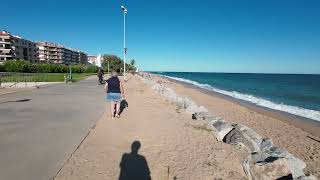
x,y
33,68
17,66
1,68
27,67
91,69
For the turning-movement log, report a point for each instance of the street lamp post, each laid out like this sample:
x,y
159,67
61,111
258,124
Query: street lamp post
x,y
70,72
108,68
125,11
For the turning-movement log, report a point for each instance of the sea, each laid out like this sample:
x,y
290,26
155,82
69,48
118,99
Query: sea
x,y
297,94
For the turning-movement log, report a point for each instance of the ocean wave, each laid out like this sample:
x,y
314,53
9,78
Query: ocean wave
x,y
299,111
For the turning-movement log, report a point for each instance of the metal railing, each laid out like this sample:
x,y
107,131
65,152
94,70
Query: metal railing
x,y
12,79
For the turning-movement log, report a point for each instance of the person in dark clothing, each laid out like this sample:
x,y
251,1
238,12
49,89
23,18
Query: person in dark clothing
x,y
115,93
100,74
133,165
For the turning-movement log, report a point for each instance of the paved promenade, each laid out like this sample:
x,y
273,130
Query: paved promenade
x,y
39,129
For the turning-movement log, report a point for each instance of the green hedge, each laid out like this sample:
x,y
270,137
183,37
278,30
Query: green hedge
x,y
27,67
1,68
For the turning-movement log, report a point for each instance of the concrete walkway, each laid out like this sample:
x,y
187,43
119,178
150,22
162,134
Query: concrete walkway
x,y
39,129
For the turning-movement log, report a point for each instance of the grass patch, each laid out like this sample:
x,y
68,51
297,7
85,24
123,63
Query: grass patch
x,y
77,77
201,128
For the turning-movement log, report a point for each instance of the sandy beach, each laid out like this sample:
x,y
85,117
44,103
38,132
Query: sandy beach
x,y
285,132
173,145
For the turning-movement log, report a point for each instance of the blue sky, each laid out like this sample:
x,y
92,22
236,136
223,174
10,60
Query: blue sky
x,y
270,36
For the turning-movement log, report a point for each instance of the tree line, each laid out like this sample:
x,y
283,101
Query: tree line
x,y
115,63
27,67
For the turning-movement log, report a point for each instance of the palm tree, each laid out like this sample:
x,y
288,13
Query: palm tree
x,y
132,62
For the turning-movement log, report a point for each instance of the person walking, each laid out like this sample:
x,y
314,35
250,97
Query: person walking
x,y
100,74
115,93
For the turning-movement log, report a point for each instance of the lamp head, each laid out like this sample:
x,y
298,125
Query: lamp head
x,y
124,9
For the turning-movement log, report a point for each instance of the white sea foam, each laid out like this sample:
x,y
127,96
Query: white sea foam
x,y
299,111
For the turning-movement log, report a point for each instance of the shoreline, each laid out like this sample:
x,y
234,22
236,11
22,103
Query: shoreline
x,y
309,125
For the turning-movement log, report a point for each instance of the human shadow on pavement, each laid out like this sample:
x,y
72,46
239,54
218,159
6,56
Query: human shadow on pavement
x,y
123,104
20,100
134,166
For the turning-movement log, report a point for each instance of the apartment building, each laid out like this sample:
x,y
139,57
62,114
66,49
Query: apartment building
x,y
13,47
95,60
55,53
83,57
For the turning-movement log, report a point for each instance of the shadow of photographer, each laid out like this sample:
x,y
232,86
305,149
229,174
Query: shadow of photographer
x,y
133,165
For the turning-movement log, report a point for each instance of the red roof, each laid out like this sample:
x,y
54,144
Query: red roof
x,y
3,33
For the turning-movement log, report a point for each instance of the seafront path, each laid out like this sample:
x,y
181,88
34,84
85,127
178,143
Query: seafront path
x,y
40,129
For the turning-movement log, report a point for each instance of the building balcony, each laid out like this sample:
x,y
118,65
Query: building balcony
x,y
5,42
5,55
4,48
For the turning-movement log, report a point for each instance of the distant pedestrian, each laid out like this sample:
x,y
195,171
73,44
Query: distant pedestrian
x,y
115,93
100,74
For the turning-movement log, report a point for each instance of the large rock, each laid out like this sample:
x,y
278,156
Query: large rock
x,y
170,95
204,115
194,108
296,165
184,103
220,128
274,163
272,168
159,88
247,137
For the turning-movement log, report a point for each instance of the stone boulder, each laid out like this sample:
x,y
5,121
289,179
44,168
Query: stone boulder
x,y
274,163
270,168
220,128
194,108
244,136
159,88
204,115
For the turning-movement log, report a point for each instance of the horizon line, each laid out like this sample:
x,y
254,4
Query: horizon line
x,y
234,72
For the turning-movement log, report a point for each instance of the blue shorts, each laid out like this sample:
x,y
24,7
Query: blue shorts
x,y
111,97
